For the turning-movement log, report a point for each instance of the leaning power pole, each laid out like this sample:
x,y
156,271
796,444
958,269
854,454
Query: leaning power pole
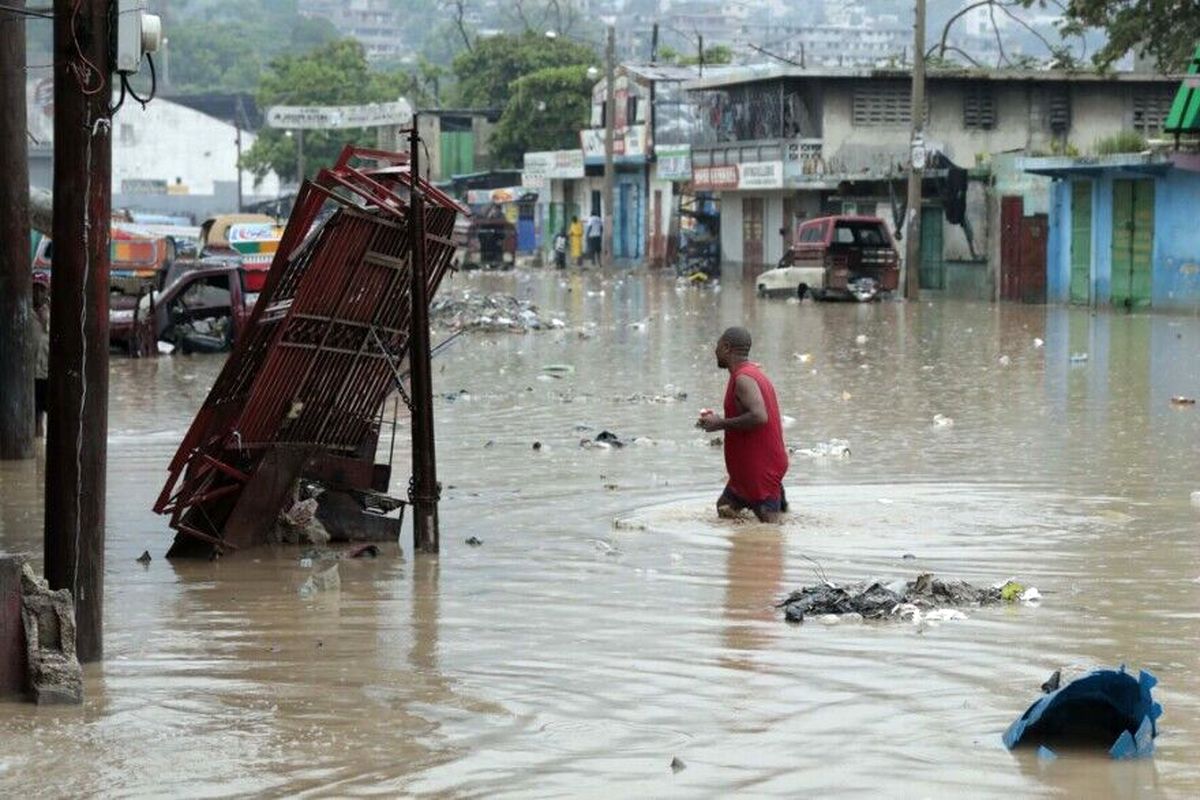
x,y
77,429
912,231
610,113
16,281
425,489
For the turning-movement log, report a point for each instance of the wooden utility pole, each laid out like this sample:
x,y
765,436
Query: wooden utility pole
x,y
912,231
610,121
16,281
78,388
425,489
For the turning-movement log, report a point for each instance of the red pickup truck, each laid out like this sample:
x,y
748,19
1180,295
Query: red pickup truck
x,y
842,257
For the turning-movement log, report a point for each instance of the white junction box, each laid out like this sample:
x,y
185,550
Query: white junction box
x,y
138,33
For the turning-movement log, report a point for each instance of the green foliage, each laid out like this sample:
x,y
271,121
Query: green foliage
x,y
486,73
546,111
1123,142
336,74
713,56
1167,30
224,46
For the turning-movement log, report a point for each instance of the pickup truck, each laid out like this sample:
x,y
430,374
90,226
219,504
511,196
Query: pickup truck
x,y
840,257
202,309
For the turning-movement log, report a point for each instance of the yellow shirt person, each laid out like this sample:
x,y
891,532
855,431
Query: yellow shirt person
x,y
575,234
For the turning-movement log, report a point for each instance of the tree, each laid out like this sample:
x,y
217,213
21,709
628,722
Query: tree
x,y
336,74
1059,55
1167,30
486,72
545,112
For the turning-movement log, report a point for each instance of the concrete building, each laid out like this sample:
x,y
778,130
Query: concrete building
x,y
166,158
458,141
780,143
1121,231
377,24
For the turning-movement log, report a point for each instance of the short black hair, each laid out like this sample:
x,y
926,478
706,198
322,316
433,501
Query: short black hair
x,y
738,338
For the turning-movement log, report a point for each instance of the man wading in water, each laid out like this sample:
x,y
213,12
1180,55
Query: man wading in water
x,y
755,456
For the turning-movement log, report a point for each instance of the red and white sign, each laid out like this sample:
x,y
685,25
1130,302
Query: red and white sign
x,y
715,178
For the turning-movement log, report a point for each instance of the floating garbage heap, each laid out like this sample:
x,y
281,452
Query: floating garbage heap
x,y
926,599
496,313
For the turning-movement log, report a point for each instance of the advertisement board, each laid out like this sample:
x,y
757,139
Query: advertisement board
x,y
674,161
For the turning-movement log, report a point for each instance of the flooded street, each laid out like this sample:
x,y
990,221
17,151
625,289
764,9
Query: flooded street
x,y
610,623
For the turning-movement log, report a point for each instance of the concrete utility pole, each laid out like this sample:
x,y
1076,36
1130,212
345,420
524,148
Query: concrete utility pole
x,y
912,232
425,489
610,113
16,281
77,432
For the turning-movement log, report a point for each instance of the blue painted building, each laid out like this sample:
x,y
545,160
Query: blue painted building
x,y
1123,230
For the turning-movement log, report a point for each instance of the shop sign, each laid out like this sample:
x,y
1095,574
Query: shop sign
x,y
674,161
760,175
715,178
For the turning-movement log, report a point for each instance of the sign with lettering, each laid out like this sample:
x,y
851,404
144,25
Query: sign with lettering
x,y
674,161
715,178
374,115
760,175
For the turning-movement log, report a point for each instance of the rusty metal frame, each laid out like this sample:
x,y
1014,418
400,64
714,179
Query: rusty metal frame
x,y
316,362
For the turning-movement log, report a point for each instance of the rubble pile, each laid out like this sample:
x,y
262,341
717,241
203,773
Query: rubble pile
x,y
926,598
495,313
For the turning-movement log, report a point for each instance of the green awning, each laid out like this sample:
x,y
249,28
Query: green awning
x,y
1185,111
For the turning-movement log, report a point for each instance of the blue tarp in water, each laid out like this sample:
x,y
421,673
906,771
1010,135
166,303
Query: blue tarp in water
x,y
1107,708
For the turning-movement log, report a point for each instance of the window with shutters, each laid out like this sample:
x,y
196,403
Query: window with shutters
x,y
882,105
1058,112
1150,109
979,107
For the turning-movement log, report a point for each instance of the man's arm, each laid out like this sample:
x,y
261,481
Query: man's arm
x,y
750,400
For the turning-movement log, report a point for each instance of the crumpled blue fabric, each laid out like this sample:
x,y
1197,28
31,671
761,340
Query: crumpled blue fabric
x,y
1103,703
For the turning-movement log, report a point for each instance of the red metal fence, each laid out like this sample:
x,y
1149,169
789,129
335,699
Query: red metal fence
x,y
323,349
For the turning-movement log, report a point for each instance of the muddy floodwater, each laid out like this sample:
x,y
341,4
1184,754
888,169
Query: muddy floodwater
x,y
609,623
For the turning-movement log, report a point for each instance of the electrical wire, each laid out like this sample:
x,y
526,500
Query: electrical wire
x,y
153,84
85,71
26,12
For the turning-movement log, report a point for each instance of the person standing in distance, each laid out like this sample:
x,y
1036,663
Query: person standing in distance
x,y
595,232
755,455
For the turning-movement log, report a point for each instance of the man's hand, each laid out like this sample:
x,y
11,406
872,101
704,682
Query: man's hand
x,y
710,422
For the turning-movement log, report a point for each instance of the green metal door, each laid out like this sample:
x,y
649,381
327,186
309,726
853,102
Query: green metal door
x,y
933,267
1132,242
1081,242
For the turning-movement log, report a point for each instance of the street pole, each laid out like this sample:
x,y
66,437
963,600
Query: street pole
x,y
610,113
425,489
77,432
300,165
237,127
16,287
912,232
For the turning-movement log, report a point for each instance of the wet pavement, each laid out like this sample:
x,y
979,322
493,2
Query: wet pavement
x,y
608,623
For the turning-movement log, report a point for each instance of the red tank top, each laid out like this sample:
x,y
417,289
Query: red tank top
x,y
756,459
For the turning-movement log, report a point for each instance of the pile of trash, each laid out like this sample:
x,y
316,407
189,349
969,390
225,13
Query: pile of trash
x,y
926,599
495,313
669,394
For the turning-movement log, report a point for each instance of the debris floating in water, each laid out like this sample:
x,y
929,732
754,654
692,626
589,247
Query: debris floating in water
x,y
834,448
1107,709
497,312
803,358
1038,342
1180,400
1079,358
942,421
923,600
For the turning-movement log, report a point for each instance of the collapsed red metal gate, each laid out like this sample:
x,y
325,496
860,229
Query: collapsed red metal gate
x,y
304,389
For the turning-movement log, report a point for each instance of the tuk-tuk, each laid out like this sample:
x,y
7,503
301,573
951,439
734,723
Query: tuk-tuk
x,y
699,242
256,244
489,242
214,232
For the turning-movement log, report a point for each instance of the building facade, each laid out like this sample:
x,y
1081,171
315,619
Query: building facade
x,y
1121,230
781,144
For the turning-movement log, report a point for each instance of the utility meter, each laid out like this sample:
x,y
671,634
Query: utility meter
x,y
138,33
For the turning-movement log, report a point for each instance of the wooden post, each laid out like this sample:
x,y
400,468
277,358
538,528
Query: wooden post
x,y
78,388
16,287
425,489
610,113
912,231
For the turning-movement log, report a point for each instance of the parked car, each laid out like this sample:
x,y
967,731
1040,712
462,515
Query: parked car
x,y
841,257
202,309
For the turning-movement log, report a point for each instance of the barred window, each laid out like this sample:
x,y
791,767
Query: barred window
x,y
882,104
1151,108
1059,112
979,107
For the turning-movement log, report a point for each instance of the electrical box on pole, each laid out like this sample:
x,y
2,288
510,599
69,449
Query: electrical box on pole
x,y
138,33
